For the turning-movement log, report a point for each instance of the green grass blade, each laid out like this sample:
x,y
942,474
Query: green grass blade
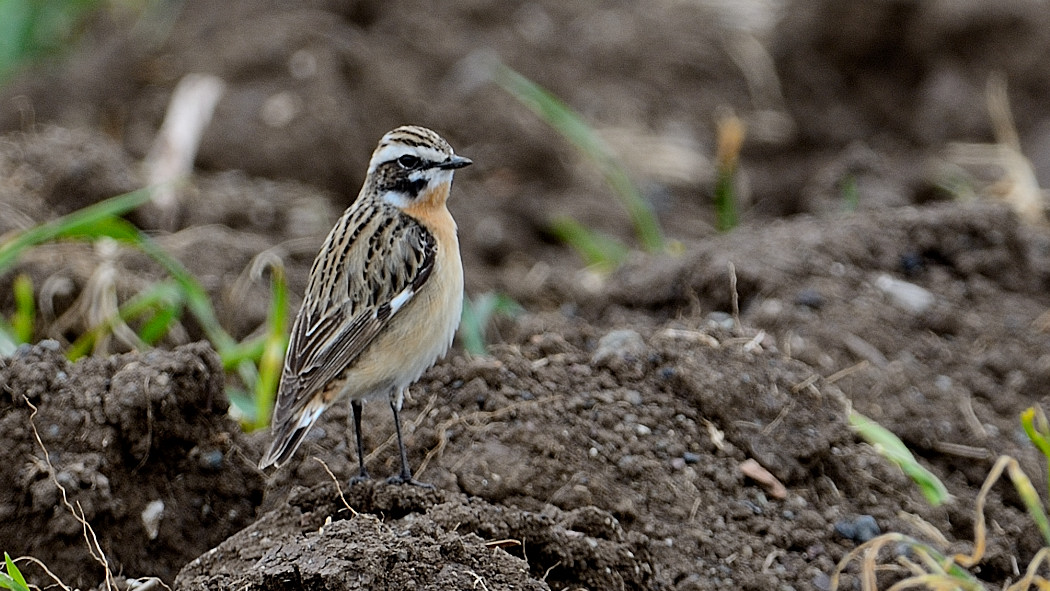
x,y
195,296
243,405
471,333
25,309
92,221
276,344
1037,428
102,220
193,293
565,121
893,449
730,141
726,217
18,582
158,296
935,560
250,350
596,249
478,312
159,324
850,194
1032,502
8,343
16,18
30,29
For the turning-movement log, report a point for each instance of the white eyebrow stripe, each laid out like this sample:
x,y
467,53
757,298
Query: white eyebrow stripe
x,y
393,150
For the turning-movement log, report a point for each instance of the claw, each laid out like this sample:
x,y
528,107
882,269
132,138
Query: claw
x,y
362,476
407,479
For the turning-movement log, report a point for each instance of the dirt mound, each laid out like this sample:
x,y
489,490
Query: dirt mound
x,y
629,421
142,445
378,536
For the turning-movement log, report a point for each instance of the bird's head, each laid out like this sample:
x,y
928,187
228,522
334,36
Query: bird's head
x,y
412,165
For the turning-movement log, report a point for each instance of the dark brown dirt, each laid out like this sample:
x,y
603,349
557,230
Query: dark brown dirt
x,y
602,444
121,432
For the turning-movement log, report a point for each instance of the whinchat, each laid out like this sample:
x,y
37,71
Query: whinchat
x,y
383,299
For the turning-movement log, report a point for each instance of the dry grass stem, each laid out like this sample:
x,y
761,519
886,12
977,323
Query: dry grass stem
x,y
337,487
89,533
845,373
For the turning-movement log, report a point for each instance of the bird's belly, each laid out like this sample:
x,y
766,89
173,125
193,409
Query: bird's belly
x,y
415,338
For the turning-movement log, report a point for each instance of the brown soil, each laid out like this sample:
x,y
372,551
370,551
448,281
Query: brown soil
x,y
603,443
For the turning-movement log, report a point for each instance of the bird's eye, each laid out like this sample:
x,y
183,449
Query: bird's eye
x,y
408,161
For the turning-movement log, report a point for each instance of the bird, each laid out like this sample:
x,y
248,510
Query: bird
x,y
383,299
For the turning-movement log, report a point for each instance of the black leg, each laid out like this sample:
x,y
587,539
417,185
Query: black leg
x,y
362,474
405,477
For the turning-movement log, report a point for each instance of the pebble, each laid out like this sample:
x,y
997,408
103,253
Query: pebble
x,y
721,319
633,397
212,459
861,529
619,344
691,458
906,296
810,298
911,263
151,518
822,582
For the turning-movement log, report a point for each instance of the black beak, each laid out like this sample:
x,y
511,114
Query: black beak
x,y
455,162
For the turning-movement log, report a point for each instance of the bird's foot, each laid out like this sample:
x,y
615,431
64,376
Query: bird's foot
x,y
361,477
406,478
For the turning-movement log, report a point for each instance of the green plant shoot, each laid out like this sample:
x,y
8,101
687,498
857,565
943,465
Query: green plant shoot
x,y
102,220
12,579
25,309
597,249
478,313
573,128
272,361
894,450
730,142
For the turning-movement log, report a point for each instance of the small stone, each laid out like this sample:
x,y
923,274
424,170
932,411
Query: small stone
x,y
906,296
691,458
619,345
151,518
861,529
911,263
721,319
633,397
212,459
810,298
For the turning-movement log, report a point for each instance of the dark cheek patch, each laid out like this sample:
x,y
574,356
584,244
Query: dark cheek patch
x,y
409,187
390,177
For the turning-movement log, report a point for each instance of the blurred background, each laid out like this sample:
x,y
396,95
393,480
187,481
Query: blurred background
x,y
841,104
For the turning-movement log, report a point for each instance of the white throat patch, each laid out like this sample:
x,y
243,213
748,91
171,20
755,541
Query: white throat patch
x,y
396,198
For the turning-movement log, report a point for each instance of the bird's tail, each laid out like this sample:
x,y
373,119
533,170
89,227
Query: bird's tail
x,y
288,435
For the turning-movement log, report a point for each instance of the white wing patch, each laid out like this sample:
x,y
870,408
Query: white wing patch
x,y
310,415
401,299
